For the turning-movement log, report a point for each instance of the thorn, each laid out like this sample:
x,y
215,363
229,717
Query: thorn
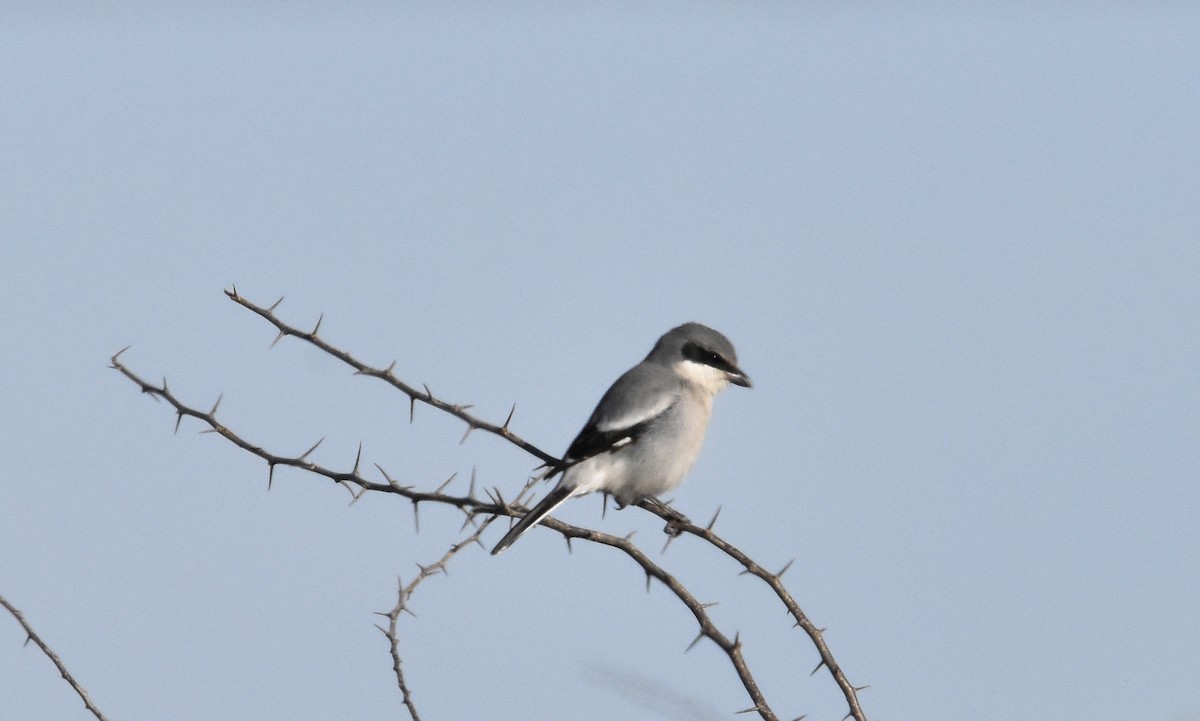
x,y
801,717
570,548
178,420
446,482
785,568
470,427
27,640
270,473
744,572
603,505
381,628
629,536
386,477
216,405
864,687
647,582
670,537
412,408
388,371
164,390
357,458
752,709
737,639
506,420
275,305
710,604
714,520
317,327
118,355
278,338
417,518
409,611
695,641
471,488
233,293
817,668
428,393
304,456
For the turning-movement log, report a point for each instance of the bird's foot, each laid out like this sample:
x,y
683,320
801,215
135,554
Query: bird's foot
x,y
675,520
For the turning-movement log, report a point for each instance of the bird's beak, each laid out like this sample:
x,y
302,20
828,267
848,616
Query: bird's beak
x,y
738,378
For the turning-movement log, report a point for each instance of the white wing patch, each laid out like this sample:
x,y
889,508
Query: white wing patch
x,y
634,417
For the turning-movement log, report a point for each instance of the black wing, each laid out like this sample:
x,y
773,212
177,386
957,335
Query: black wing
x,y
631,406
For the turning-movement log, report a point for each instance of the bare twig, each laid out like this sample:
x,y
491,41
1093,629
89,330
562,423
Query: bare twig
x,y
385,374
402,597
30,635
473,507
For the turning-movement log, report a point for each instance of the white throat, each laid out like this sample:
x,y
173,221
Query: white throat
x,y
705,377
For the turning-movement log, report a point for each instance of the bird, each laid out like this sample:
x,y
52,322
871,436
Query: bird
x,y
647,430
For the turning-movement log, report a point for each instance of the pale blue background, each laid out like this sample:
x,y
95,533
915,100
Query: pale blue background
x,y
957,249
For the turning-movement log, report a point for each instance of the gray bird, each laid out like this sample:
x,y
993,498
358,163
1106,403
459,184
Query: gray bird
x,y
647,430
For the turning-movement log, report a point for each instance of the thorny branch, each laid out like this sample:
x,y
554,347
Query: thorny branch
x,y
402,597
30,635
472,506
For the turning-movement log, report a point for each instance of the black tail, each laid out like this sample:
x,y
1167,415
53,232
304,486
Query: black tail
x,y
544,507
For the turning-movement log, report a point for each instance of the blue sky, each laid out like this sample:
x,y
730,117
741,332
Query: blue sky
x,y
956,249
